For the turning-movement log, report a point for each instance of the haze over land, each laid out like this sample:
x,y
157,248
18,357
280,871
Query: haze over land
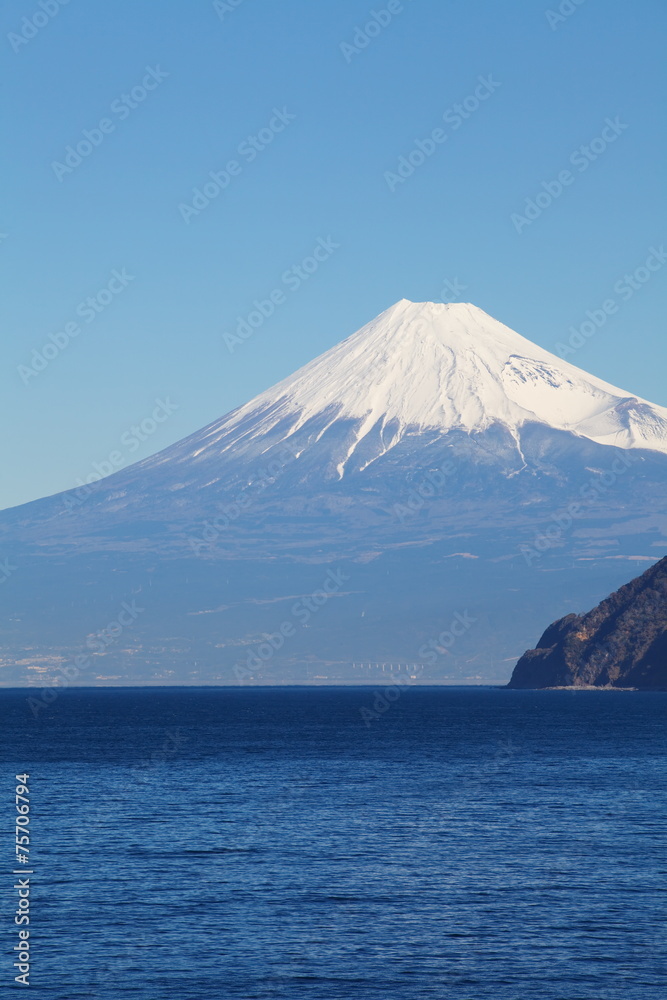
x,y
434,468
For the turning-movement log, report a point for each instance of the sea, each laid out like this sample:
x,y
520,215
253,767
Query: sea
x,y
324,843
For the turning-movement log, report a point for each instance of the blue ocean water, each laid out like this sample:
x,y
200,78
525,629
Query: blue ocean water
x,y
472,844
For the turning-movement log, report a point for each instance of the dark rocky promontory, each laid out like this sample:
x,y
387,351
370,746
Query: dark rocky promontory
x,y
621,643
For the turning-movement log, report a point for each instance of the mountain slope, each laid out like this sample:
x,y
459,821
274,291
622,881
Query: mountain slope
x,y
426,366
620,643
433,458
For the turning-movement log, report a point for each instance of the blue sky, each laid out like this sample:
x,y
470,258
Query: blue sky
x,y
334,110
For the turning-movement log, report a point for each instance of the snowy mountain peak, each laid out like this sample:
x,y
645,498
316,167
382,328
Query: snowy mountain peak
x,y
424,366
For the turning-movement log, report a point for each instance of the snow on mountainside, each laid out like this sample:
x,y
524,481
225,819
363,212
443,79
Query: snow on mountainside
x,y
421,366
428,458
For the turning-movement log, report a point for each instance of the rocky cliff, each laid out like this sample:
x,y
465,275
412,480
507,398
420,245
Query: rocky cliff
x,y
620,643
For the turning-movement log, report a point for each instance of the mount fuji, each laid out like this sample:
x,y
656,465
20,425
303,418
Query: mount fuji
x,y
424,366
434,468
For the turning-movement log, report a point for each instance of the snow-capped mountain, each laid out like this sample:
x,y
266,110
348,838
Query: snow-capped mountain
x,y
429,365
438,462
422,367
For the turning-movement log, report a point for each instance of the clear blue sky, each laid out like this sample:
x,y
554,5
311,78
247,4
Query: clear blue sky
x,y
356,112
